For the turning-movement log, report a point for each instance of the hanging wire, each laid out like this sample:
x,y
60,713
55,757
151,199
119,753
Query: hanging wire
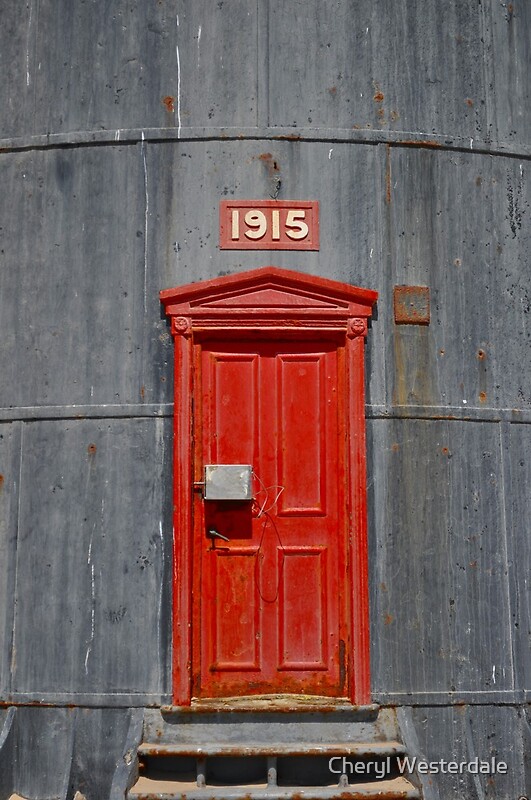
x,y
264,508
263,511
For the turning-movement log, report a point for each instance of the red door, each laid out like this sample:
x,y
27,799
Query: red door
x,y
270,603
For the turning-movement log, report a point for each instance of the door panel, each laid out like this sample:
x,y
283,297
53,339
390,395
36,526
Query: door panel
x,y
301,385
269,602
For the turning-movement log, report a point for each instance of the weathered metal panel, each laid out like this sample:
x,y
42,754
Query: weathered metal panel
x,y
42,751
344,64
99,752
519,549
462,734
80,312
508,27
459,224
440,614
10,436
85,66
93,587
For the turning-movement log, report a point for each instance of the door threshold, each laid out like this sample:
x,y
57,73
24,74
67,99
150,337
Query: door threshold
x,y
275,702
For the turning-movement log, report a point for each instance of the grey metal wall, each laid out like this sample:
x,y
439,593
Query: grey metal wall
x,y
122,125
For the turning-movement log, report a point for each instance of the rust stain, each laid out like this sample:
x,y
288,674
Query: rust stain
x,y
142,392
91,449
1,481
469,102
270,161
342,666
411,305
423,143
395,447
379,97
169,102
446,452
483,397
481,354
394,115
388,619
333,90
457,262
388,175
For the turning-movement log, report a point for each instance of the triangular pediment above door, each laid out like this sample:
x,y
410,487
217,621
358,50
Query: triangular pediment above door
x,y
269,289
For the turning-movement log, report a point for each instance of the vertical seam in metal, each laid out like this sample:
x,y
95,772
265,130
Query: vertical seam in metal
x,y
15,584
488,72
383,232
504,438
262,63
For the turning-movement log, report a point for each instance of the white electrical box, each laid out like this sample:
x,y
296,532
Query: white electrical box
x,y
228,482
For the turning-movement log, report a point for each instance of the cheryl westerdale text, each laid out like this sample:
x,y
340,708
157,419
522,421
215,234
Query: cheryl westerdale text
x,y
382,768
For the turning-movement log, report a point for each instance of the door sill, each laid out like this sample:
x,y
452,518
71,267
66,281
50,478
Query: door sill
x,y
275,702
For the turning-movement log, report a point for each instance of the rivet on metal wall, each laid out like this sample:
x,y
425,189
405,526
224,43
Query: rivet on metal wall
x,y
411,305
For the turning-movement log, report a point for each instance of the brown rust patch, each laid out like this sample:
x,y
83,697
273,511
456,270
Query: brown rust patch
x,y
388,175
142,392
481,354
379,97
342,665
411,305
169,102
270,161
1,481
333,90
420,142
388,619
91,449
483,397
469,102
395,447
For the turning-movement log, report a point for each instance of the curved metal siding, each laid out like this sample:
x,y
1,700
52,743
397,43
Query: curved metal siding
x,y
122,126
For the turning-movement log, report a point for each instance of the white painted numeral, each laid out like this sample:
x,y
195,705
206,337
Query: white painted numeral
x,y
258,222
294,221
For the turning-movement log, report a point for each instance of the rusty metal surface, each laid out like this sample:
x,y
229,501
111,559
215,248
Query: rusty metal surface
x,y
411,305
357,749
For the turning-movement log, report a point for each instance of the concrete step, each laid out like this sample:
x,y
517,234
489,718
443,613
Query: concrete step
x,y
393,789
176,726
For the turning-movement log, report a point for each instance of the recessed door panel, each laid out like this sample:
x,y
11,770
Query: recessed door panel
x,y
235,636
268,585
303,641
301,427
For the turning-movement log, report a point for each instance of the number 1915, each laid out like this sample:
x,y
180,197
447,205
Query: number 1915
x,y
264,224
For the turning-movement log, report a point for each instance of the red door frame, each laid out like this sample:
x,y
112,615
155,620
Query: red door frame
x,y
273,303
